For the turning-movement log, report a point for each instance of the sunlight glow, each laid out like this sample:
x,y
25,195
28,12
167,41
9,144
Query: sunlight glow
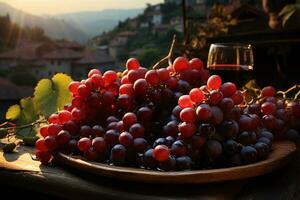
x,y
51,7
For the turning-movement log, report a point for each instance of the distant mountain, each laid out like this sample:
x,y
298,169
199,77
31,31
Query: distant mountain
x,y
95,22
54,28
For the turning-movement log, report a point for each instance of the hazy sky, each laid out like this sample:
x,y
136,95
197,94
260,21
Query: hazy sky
x,y
64,6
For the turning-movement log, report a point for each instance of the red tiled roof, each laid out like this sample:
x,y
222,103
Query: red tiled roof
x,y
94,57
63,54
68,45
126,34
25,52
10,91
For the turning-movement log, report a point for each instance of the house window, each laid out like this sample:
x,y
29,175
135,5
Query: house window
x,y
58,62
37,72
49,73
52,62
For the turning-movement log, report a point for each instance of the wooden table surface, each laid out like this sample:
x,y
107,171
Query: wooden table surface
x,y
19,170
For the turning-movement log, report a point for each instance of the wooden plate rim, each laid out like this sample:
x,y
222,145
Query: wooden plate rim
x,y
193,176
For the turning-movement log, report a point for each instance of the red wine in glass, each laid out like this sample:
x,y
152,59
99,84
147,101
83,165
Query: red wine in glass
x,y
233,62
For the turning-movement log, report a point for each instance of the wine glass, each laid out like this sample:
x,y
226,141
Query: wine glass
x,y
232,61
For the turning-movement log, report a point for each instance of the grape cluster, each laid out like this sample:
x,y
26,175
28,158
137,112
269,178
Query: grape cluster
x,y
174,118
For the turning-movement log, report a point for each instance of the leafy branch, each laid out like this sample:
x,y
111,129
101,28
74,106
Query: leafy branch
x,y
24,119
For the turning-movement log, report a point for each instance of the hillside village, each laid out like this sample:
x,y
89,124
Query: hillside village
x,y
146,37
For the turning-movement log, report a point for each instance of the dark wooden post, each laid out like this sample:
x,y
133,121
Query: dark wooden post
x,y
184,19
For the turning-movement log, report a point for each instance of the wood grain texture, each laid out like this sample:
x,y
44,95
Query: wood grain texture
x,y
279,156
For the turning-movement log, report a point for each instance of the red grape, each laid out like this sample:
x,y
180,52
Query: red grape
x,y
152,77
180,63
187,129
196,63
84,144
228,89
188,115
132,64
214,82
40,145
204,112
196,95
185,101
110,77
161,153
268,91
129,119
268,108
93,72
126,139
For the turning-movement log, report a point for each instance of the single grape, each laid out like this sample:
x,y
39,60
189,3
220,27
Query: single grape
x,y
118,154
196,95
161,153
144,114
180,64
152,77
178,148
111,137
54,129
140,86
86,131
126,139
268,108
230,147
110,77
63,137
228,89
140,145
204,112
196,63
214,82
72,127
98,131
185,101
268,91
187,129
269,121
99,145
40,145
265,140
249,154
129,119
214,149
132,64
226,104
262,150
215,97
84,144
50,143
217,115
94,72
163,74
137,130
44,131
188,115
184,163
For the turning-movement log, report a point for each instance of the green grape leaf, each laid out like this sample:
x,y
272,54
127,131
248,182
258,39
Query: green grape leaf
x,y
61,83
45,98
13,112
52,95
28,114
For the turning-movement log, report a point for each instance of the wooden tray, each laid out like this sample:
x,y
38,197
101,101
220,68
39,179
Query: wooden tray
x,y
280,155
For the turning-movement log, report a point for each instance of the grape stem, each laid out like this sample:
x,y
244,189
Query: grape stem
x,y
168,58
284,93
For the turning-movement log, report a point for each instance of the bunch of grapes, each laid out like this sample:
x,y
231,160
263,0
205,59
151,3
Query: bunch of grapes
x,y
174,118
